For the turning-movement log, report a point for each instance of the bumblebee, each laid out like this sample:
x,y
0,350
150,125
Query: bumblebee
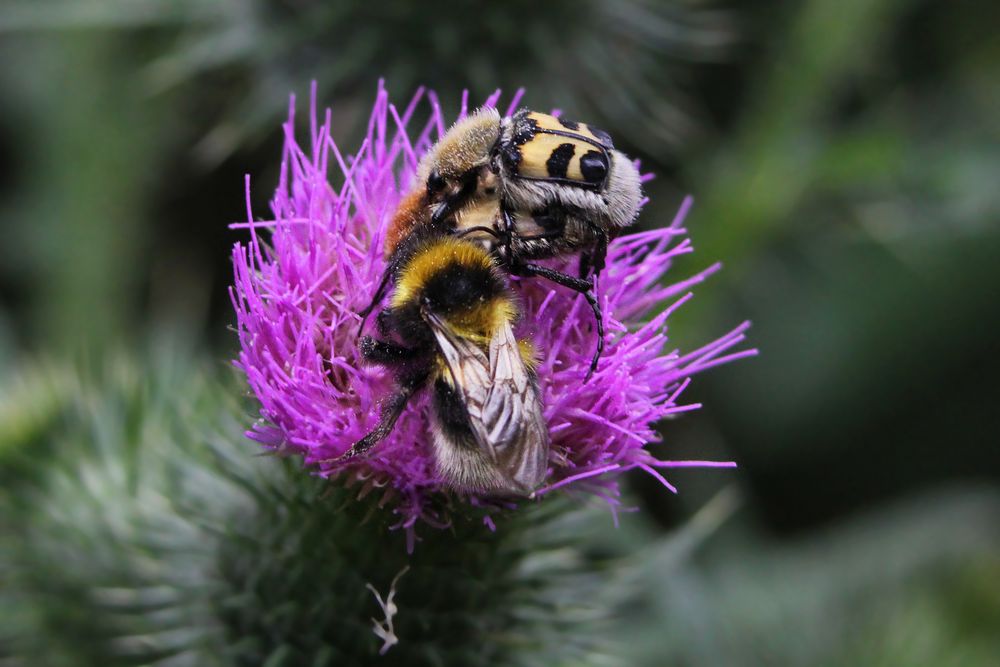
x,y
451,318
528,187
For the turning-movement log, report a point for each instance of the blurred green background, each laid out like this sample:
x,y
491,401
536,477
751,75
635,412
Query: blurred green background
x,y
845,160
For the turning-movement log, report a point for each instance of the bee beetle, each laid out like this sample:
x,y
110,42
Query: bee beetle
x,y
565,189
529,187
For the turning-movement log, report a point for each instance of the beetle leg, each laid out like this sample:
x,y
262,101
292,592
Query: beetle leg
x,y
506,235
600,250
586,287
594,258
585,263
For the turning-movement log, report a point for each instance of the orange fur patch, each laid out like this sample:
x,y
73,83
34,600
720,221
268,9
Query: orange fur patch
x,y
412,211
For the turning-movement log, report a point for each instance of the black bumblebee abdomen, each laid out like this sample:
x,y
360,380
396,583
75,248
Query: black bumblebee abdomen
x,y
452,414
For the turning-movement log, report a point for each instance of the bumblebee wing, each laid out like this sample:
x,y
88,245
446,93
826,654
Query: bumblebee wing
x,y
501,400
512,415
469,368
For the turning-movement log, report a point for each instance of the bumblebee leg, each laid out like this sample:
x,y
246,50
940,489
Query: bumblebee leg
x,y
384,353
581,285
392,408
376,298
384,322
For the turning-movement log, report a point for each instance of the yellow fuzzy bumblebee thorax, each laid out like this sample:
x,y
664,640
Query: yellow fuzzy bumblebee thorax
x,y
461,281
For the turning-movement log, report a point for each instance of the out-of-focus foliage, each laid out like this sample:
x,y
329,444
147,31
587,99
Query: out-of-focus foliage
x,y
591,56
139,529
914,584
621,61
852,208
31,399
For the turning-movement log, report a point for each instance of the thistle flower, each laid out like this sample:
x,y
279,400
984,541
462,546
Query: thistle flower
x,y
307,271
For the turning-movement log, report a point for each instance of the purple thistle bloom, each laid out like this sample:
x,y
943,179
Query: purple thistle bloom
x,y
298,288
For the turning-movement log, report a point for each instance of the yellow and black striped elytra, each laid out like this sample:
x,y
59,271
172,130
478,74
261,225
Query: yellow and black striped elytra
x,y
450,325
543,122
546,148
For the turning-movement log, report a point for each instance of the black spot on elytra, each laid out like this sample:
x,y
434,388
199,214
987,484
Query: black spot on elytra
x,y
594,166
509,152
525,128
510,156
558,162
569,124
602,136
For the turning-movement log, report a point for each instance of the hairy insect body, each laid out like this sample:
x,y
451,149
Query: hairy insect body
x,y
450,326
542,185
563,169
